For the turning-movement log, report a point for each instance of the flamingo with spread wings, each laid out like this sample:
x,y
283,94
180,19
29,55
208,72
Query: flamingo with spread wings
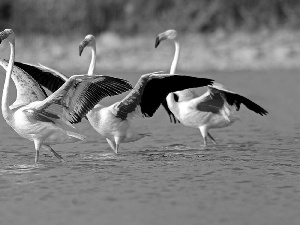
x,y
39,118
214,109
116,122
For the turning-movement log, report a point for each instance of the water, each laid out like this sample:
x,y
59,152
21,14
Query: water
x,y
252,176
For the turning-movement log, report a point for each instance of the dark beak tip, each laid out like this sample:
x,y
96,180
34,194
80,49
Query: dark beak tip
x,y
157,41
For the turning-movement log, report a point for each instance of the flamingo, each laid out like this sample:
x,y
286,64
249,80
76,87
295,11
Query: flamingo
x,y
115,122
89,41
39,118
213,109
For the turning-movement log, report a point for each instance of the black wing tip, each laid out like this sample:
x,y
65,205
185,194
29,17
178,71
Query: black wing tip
x,y
263,112
258,109
208,81
200,80
237,100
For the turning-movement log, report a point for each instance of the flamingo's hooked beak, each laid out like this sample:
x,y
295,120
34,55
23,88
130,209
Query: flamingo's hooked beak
x,y
81,47
159,39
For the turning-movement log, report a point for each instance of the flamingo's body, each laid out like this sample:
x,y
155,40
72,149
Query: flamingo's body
x,y
115,129
39,118
115,122
213,109
103,119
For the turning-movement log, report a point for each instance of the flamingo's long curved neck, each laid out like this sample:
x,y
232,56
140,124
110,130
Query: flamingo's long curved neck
x,y
5,102
93,60
170,97
176,57
187,93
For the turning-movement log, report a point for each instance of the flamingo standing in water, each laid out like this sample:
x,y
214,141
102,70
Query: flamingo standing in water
x,y
115,122
213,109
39,118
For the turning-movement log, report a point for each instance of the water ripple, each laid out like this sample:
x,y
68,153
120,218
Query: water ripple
x,y
19,169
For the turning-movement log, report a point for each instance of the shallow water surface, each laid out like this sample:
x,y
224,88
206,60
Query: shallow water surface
x,y
252,176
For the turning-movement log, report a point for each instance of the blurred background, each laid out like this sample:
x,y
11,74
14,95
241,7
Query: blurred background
x,y
214,34
133,17
252,175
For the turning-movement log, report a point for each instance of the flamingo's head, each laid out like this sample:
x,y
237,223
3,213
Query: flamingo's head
x,y
169,34
7,34
89,40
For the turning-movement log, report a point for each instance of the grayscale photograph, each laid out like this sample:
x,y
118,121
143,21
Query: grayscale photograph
x,y
139,112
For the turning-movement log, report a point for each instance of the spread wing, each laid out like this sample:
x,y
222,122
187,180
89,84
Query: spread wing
x,y
45,76
236,99
78,95
151,90
28,89
213,102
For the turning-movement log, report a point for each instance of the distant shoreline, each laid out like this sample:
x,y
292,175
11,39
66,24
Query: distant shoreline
x,y
218,51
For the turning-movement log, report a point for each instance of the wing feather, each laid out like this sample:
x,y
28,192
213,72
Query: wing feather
x,y
28,89
161,85
236,99
132,100
34,116
45,76
80,94
151,90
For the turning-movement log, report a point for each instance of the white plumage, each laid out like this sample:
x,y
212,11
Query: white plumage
x,y
116,122
214,109
39,118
